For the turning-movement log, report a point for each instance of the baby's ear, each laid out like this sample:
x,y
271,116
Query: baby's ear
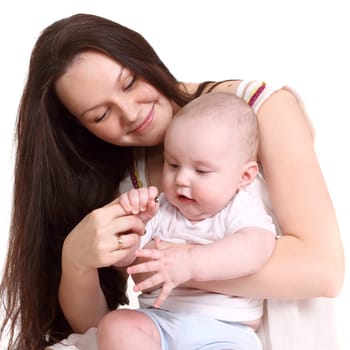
x,y
248,174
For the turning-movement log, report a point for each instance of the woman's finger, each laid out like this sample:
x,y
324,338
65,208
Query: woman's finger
x,y
125,241
114,201
111,210
125,224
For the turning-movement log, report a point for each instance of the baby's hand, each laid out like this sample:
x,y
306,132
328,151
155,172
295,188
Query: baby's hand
x,y
141,202
170,267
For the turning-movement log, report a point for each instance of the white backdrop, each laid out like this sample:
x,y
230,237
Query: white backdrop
x,y
304,43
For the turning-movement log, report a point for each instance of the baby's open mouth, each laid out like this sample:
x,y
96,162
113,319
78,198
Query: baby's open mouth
x,y
182,197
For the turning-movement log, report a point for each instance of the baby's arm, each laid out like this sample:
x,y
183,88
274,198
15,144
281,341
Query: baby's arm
x,y
233,256
240,254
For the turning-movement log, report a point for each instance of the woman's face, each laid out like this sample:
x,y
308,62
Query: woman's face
x,y
113,103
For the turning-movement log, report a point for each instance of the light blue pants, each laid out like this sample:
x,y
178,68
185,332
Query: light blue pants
x,y
189,332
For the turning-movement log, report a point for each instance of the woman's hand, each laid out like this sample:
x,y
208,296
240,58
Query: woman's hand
x,y
106,236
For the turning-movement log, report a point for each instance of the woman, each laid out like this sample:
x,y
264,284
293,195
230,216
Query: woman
x,y
97,94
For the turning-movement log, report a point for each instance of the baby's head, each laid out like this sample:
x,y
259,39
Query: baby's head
x,y
210,151
222,115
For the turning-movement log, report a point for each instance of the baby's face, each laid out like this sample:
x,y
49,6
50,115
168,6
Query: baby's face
x,y
202,168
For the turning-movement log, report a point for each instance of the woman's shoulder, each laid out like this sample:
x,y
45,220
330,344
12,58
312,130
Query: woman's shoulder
x,y
254,92
230,86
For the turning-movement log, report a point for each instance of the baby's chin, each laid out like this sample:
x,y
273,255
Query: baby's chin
x,y
195,216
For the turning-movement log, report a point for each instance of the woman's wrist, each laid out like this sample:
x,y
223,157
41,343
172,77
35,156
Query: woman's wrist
x,y
70,263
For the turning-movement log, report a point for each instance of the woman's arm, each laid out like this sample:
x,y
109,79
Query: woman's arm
x,y
308,260
81,297
93,243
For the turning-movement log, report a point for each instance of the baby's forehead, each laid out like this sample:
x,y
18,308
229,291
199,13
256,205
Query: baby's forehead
x,y
223,137
206,123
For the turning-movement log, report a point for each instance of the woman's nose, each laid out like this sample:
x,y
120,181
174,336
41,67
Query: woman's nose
x,y
129,113
129,110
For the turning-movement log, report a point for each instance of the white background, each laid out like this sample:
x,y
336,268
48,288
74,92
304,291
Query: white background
x,y
303,43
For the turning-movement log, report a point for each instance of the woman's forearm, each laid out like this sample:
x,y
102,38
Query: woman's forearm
x,y
81,299
92,244
80,295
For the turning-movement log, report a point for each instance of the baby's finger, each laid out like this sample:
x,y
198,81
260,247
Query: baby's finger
x,y
149,283
153,198
152,192
149,266
149,253
143,198
164,293
158,244
124,202
134,200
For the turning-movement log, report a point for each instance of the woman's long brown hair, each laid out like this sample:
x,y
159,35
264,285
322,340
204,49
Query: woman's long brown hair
x,y
62,172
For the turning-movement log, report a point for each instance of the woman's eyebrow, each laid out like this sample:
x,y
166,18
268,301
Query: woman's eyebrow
x,y
90,109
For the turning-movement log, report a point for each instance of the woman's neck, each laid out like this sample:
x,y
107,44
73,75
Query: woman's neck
x,y
154,165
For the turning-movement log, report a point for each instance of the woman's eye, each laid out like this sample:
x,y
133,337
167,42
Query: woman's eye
x,y
102,117
130,83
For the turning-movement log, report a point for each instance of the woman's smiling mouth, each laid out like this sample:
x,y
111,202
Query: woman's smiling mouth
x,y
144,124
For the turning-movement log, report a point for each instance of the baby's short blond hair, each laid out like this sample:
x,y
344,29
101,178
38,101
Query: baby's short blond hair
x,y
226,108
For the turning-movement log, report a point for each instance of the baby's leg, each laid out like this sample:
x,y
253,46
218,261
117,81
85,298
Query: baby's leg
x,y
127,329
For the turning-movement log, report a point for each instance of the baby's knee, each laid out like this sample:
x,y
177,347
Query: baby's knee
x,y
122,326
115,321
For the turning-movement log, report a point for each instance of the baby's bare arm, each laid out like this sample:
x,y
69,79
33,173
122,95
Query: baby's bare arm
x,y
240,254
236,255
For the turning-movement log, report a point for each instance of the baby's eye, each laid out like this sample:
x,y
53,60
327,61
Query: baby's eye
x,y
171,164
202,171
